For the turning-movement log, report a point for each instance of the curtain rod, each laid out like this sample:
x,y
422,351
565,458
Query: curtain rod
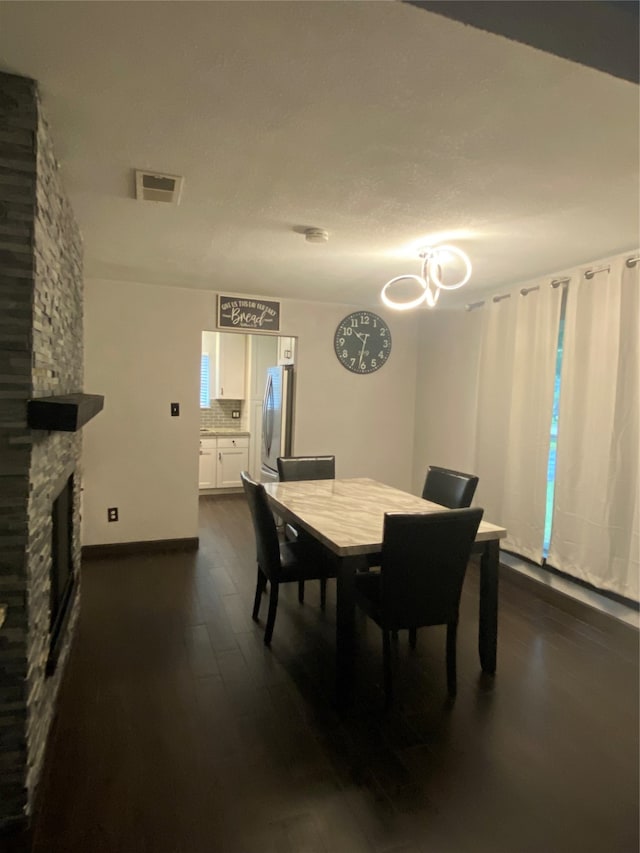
x,y
556,282
590,273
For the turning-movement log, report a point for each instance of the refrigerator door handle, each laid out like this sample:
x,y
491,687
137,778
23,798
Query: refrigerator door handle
x,y
267,415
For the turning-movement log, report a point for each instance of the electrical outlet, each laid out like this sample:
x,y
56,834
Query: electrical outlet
x,y
112,513
235,413
175,410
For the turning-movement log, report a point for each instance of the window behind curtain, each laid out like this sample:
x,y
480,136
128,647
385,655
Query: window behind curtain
x,y
595,535
205,396
553,446
516,377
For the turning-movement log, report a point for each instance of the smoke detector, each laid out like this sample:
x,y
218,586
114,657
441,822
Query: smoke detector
x,y
153,186
316,235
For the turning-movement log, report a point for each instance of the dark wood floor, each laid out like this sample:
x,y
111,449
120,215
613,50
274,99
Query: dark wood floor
x,y
178,732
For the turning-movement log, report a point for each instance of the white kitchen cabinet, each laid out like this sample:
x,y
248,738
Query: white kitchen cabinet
x,y
221,461
208,463
264,354
230,367
233,457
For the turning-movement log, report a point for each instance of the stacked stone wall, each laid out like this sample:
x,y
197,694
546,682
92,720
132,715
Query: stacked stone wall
x,y
41,354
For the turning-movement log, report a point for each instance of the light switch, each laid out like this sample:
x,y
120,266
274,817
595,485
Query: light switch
x,y
175,410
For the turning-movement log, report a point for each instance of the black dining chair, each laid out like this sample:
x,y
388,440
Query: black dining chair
x,y
278,562
423,564
306,468
449,488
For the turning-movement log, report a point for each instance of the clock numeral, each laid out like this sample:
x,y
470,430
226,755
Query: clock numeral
x,y
341,342
347,330
364,319
354,323
352,361
383,333
374,363
345,353
381,354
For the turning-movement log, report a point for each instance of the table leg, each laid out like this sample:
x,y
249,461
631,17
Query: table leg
x,y
488,632
345,626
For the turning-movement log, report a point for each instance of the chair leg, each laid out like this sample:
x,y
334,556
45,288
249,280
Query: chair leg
x,y
413,636
452,629
301,592
323,593
386,660
260,588
271,618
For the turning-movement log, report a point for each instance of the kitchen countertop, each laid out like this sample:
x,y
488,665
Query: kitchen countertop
x,y
213,433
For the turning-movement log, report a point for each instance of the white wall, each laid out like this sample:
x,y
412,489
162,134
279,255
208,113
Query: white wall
x,y
142,351
366,421
446,388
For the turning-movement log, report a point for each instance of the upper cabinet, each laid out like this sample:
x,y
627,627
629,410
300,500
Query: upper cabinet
x,y
229,367
264,354
286,350
237,364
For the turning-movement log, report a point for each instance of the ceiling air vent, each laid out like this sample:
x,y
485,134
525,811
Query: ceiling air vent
x,y
150,186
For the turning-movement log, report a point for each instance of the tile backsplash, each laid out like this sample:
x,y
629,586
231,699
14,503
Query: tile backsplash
x,y
219,415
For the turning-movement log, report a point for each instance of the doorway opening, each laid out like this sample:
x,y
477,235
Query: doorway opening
x,y
234,374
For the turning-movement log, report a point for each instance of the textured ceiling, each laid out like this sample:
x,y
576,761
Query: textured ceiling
x,y
380,122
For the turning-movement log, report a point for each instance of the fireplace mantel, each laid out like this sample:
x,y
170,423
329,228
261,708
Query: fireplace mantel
x,y
66,413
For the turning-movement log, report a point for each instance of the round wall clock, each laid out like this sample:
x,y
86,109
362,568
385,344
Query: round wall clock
x,y
362,342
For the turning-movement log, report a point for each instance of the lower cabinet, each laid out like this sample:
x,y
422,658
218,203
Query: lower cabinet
x,y
222,460
208,456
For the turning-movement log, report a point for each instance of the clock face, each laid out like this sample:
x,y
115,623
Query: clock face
x,y
362,342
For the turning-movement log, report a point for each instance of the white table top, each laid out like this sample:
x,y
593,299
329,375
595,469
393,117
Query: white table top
x,y
348,515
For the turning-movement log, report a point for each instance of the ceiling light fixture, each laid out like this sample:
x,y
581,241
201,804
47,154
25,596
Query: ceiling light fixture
x,y
431,280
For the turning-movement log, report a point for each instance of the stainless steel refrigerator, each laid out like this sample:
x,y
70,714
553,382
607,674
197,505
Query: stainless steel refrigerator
x,y
277,420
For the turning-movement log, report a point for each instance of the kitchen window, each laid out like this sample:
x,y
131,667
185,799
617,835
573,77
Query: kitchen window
x,y
205,375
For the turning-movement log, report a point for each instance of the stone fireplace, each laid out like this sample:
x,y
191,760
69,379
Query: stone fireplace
x,y
41,354
62,574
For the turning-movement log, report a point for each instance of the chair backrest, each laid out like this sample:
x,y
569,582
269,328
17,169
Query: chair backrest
x,y
306,467
449,488
264,527
424,559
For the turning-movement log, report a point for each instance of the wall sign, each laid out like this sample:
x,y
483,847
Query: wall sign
x,y
235,312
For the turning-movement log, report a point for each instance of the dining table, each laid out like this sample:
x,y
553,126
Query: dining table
x,y
347,517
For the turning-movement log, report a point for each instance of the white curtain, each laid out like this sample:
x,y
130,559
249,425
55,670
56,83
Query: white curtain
x,y
515,400
493,404
595,532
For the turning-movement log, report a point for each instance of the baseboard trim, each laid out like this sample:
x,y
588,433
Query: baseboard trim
x,y
128,549
581,610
